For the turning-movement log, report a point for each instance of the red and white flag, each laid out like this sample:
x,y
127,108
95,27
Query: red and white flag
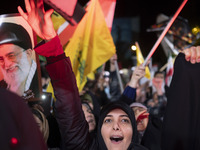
x,y
169,70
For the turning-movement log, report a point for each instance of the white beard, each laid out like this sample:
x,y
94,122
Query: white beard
x,y
16,79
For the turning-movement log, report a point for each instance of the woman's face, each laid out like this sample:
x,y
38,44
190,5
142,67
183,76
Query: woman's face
x,y
141,123
89,117
117,130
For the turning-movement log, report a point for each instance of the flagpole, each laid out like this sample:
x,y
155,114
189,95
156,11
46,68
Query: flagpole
x,y
119,77
164,32
164,67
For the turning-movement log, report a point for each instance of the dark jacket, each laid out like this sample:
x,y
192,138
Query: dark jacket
x,y
152,135
17,122
68,111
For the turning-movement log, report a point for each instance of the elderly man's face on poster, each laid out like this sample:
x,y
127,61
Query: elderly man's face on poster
x,y
15,64
17,60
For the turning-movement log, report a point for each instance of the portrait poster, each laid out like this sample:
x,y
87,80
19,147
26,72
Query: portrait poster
x,y
19,64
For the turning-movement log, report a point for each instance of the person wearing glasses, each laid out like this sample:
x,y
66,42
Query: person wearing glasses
x,y
16,63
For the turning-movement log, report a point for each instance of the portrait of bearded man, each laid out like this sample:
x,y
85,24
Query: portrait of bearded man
x,y
17,65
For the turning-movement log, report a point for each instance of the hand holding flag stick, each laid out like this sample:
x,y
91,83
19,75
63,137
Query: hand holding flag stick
x,y
164,32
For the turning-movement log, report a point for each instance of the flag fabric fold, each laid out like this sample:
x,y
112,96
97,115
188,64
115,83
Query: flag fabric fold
x,y
67,30
91,44
108,7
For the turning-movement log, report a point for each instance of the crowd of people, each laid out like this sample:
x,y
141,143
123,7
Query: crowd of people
x,y
100,117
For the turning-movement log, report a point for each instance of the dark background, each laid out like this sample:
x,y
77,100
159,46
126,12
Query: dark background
x,y
145,13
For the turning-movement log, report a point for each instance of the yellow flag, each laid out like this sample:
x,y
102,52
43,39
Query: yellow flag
x,y
57,20
140,60
91,44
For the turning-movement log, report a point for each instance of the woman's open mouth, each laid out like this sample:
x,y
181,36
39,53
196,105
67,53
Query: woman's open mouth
x,y
116,139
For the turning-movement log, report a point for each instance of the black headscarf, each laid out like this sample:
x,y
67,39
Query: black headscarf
x,y
105,110
18,129
15,34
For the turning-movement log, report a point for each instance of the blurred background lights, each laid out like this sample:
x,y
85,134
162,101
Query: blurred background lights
x,y
123,71
43,97
195,30
133,47
14,141
106,73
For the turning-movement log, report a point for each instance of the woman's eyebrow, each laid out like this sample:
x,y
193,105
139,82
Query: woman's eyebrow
x,y
109,115
119,116
124,116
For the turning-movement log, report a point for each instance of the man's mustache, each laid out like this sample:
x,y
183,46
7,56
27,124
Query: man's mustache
x,y
11,68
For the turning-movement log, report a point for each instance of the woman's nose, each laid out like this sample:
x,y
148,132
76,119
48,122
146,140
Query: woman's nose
x,y
116,126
